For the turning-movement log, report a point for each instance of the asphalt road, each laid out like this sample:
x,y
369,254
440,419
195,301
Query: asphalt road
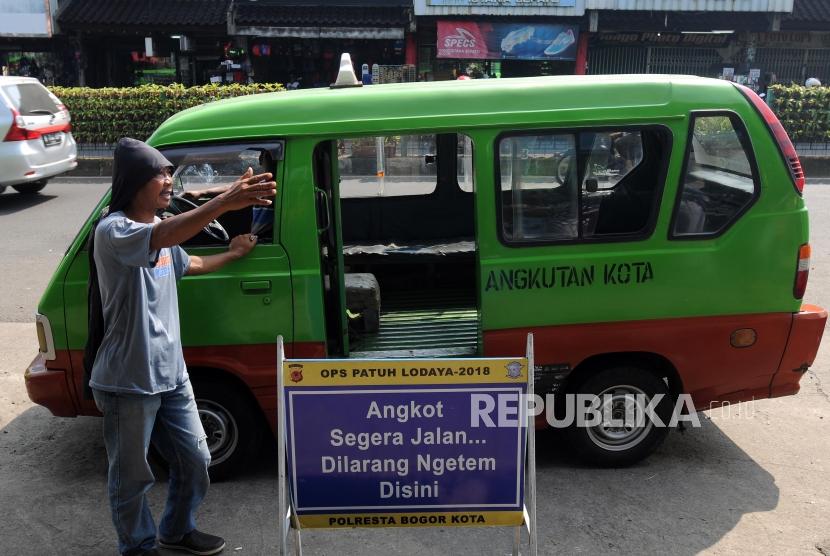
x,y
754,479
36,231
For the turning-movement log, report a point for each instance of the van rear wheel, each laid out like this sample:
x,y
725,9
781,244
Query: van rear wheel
x,y
621,440
232,425
30,188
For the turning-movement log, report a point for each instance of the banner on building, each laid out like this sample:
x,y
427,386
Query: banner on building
x,y
506,41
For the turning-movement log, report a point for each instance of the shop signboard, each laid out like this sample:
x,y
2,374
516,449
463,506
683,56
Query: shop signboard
x,y
506,41
505,3
25,18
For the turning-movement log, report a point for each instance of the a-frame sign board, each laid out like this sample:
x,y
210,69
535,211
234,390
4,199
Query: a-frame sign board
x,y
406,443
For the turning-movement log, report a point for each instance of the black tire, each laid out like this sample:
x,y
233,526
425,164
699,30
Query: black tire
x,y
233,425
30,188
608,446
2,188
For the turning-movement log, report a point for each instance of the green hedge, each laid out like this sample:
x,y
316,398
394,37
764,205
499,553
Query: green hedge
x,y
804,112
105,115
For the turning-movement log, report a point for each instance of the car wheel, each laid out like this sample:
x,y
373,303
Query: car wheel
x,y
619,441
232,424
2,188
30,188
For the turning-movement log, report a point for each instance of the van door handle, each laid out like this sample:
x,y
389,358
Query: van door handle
x,y
321,194
256,286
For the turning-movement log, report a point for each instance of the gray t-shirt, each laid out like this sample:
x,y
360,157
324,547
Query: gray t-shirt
x,y
141,352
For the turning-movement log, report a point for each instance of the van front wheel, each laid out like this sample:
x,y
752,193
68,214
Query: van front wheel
x,y
233,428
626,434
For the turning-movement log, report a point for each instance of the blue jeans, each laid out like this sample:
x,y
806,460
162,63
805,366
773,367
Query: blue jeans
x,y
170,420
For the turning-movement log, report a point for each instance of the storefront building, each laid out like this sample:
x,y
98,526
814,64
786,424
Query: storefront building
x,y
748,41
500,38
299,43
753,42
29,45
151,41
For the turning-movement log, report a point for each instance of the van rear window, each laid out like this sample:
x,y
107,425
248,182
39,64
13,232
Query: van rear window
x,y
718,181
31,99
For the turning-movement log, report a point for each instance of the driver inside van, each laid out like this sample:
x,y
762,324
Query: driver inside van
x,y
134,354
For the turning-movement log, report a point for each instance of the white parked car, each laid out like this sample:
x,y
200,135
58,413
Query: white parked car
x,y
35,135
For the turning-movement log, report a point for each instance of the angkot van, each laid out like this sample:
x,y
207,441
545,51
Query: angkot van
x,y
649,230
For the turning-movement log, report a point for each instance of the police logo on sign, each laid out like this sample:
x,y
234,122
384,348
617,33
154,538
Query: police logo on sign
x,y
296,372
514,369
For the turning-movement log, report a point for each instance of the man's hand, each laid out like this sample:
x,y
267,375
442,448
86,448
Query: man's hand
x,y
241,245
249,190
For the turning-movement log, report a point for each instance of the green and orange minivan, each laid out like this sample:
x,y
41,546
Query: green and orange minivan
x,y
649,230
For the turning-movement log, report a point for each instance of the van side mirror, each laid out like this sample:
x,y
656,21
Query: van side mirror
x,y
591,185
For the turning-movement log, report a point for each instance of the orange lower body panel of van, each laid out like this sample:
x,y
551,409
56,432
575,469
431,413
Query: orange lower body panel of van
x,y
699,349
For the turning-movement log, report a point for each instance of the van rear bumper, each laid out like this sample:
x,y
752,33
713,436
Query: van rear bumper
x,y
802,347
49,388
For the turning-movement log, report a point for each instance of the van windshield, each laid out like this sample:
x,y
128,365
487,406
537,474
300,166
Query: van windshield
x,y
30,99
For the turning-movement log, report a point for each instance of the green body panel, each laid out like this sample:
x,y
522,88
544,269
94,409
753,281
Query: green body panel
x,y
299,238
216,310
69,283
748,269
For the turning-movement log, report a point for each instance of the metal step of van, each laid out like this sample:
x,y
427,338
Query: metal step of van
x,y
422,324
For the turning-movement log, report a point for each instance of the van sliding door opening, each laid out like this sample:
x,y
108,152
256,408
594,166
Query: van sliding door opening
x,y
330,246
409,246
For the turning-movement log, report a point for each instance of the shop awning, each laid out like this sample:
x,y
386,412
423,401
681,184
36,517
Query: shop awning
x,y
125,16
808,15
334,19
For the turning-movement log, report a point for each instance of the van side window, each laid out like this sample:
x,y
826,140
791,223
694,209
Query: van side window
x,y
718,181
200,170
586,185
539,192
390,166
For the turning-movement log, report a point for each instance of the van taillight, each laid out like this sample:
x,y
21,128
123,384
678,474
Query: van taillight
x,y
17,132
784,144
802,271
